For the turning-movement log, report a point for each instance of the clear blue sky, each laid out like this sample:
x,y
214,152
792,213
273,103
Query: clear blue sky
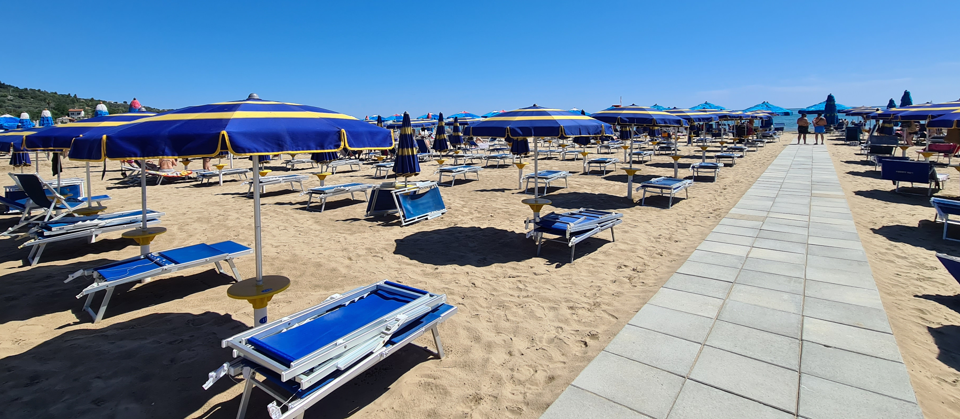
x,y
374,57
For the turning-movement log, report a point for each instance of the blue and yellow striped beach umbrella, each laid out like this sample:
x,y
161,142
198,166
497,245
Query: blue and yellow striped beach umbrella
x,y
536,121
639,115
928,112
694,116
12,142
440,136
948,121
406,164
60,137
456,139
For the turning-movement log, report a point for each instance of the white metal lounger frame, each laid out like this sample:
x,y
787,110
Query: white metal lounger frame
x,y
602,163
546,179
334,190
732,157
383,168
684,185
292,163
343,352
467,158
943,215
696,168
37,246
276,180
644,155
573,237
458,170
500,158
331,166
204,176
99,284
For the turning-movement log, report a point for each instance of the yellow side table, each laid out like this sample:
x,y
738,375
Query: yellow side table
x,y
186,164
265,172
322,176
143,236
926,155
904,148
219,166
536,204
259,295
440,161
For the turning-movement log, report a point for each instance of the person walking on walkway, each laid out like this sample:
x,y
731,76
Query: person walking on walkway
x,y
803,126
819,128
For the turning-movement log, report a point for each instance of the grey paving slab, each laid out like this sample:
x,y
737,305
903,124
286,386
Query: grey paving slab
x,y
848,314
778,235
861,371
745,211
833,234
709,270
825,399
655,349
740,231
740,223
640,387
847,265
673,322
760,381
781,245
771,266
721,259
786,222
780,215
844,294
730,249
733,239
575,403
771,281
774,226
844,244
698,401
777,300
779,256
770,320
757,344
687,302
867,342
698,285
835,252
863,279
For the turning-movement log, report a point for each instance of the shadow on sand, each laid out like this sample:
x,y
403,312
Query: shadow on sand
x,y
947,339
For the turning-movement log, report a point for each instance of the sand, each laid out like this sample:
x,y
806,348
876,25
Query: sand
x,y
526,325
919,295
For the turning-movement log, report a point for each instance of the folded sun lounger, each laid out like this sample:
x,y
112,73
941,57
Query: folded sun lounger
x,y
209,175
325,192
107,277
545,177
276,180
664,186
709,167
602,163
453,171
572,227
305,356
945,208
416,202
83,227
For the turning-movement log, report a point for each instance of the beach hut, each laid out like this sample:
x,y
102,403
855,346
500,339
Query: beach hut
x,y
46,119
707,106
25,122
769,107
101,110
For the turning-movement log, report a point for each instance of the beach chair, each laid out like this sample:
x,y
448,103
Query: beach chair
x,y
546,177
500,158
643,156
89,228
382,169
302,358
466,158
331,166
325,192
947,150
292,163
609,146
108,277
945,208
210,175
851,135
43,197
602,163
737,149
728,158
952,263
277,180
665,186
913,172
666,148
572,227
412,201
454,171
713,169
880,145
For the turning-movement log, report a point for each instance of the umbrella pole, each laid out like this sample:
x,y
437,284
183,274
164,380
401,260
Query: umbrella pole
x,y
36,162
630,171
536,179
256,229
143,198
90,188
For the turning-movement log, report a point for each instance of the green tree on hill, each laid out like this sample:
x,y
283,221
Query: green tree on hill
x,y
15,100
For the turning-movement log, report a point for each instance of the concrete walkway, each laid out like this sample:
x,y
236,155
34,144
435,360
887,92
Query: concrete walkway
x,y
775,315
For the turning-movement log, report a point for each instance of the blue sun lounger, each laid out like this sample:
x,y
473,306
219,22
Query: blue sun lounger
x,y
952,263
276,180
382,169
499,157
665,186
415,202
643,155
325,192
572,227
945,208
301,358
728,158
453,171
331,166
209,175
709,167
546,177
602,163
108,277
90,228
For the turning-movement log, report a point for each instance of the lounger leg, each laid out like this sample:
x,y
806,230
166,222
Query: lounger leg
x,y
612,237
573,250
323,203
103,305
236,273
36,257
219,268
436,340
247,389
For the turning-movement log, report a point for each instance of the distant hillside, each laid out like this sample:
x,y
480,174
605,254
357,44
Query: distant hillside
x,y
15,100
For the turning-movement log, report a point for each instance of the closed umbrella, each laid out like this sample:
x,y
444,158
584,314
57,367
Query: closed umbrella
x,y
456,139
830,110
440,136
46,119
25,122
101,110
906,99
406,164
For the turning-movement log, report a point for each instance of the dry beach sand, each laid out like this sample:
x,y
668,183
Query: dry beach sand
x,y
526,325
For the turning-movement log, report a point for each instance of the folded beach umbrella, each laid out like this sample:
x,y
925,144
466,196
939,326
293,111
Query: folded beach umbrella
x,y
440,136
46,119
456,139
891,104
830,109
406,163
906,99
519,146
536,121
250,127
707,106
101,110
25,122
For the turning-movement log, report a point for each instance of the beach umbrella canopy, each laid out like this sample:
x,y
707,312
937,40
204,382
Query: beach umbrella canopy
x,y
8,122
537,121
492,113
706,106
580,111
406,164
440,136
769,107
893,112
415,124
830,110
463,115
928,112
134,106
61,136
946,121
638,115
456,139
694,116
861,111
25,121
906,99
659,108
429,115
12,142
46,119
820,108
463,121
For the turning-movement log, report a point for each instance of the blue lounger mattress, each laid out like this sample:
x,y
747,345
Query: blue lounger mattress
x,y
335,187
140,265
100,220
946,206
302,340
666,183
458,168
707,165
548,173
581,220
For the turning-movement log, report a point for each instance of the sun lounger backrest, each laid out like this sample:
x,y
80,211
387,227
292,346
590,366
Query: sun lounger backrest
x,y
421,204
34,188
11,204
907,171
945,148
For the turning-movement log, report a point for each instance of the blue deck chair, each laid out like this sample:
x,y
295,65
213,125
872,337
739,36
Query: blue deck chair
x,y
301,358
945,208
108,277
572,227
952,263
913,172
421,201
89,228
41,196
665,186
